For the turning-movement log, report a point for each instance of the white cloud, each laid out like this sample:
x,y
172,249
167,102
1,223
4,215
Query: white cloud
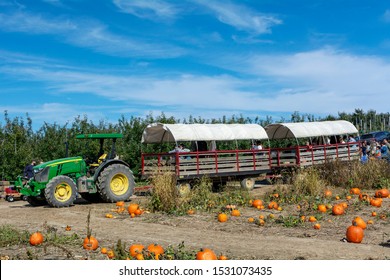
x,y
88,34
150,9
241,17
325,80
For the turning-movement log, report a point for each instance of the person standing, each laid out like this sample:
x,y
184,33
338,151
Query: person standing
x,y
29,170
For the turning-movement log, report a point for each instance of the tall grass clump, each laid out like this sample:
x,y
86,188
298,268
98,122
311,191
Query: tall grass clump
x,y
308,182
373,174
165,196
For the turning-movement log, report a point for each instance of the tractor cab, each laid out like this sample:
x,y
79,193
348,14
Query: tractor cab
x,y
102,155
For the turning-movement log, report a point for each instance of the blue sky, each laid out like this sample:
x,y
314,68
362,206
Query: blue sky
x,y
64,58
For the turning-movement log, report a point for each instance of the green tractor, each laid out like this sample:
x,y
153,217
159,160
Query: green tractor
x,y
105,178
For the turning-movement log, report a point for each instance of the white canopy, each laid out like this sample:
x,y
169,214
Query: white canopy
x,y
309,129
158,132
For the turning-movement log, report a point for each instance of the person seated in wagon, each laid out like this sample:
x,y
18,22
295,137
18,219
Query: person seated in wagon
x,y
180,149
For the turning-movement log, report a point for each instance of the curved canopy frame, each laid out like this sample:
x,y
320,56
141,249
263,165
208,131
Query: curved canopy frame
x,y
159,133
309,129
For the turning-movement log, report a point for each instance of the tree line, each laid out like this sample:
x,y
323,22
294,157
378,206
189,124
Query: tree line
x,y
20,144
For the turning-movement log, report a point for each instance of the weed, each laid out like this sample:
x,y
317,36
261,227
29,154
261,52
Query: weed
x,y
289,221
165,196
10,236
178,253
308,182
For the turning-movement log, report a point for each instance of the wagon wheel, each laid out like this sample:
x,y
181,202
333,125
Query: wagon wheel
x,y
248,183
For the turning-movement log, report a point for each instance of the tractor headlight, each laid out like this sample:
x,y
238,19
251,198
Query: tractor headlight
x,y
42,175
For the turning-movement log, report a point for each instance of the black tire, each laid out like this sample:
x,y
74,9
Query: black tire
x,y
36,200
24,198
60,191
92,197
10,198
115,183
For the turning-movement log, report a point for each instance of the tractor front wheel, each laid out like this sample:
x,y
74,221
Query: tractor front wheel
x,y
60,191
116,183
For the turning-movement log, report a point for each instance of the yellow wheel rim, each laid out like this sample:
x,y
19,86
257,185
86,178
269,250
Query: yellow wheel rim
x,y
119,184
63,192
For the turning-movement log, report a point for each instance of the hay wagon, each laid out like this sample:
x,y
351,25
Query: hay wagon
x,y
245,165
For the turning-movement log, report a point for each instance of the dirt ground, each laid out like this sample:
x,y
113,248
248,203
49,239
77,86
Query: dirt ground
x,y
237,238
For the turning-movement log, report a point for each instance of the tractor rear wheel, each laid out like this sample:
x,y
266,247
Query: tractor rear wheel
x,y
115,183
60,191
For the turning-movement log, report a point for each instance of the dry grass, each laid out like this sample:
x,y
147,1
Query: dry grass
x,y
374,174
308,182
165,196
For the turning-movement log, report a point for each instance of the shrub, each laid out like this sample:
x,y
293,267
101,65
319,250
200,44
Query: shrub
x,y
165,196
308,182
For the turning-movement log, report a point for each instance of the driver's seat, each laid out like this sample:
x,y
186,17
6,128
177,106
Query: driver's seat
x,y
100,160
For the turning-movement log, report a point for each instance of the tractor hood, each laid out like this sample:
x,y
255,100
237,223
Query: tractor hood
x,y
56,162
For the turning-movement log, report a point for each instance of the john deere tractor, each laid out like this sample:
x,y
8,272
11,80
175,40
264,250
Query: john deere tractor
x,y
57,182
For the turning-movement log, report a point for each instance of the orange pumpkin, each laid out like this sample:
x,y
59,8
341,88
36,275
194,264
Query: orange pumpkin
x,y
36,238
354,191
327,193
191,212
222,257
132,208
377,202
317,226
322,208
364,197
312,219
206,254
68,228
235,213
120,203
103,250
222,217
257,203
135,249
90,243
139,257
337,209
273,205
110,254
354,234
156,250
251,219
383,193
344,204
359,222
138,212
